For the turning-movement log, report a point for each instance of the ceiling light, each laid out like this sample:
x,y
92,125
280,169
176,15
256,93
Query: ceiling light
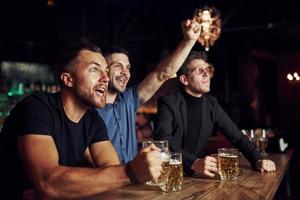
x,y
210,21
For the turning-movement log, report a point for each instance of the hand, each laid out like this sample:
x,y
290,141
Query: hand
x,y
265,165
206,166
191,30
146,165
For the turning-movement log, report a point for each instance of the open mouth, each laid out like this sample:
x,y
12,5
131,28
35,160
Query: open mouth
x,y
101,91
122,80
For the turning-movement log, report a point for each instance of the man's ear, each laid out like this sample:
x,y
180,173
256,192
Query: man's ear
x,y
67,79
183,79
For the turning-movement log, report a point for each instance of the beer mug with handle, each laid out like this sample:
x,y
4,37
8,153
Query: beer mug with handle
x,y
176,172
162,181
228,164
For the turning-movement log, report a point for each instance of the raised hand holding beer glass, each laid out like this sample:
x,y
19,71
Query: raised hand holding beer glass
x,y
162,181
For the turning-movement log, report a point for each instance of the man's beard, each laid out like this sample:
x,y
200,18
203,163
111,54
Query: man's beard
x,y
112,88
88,101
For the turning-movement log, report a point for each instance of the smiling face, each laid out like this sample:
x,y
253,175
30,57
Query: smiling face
x,y
89,79
119,71
197,80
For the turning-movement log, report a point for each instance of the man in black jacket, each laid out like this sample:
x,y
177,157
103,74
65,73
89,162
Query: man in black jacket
x,y
187,119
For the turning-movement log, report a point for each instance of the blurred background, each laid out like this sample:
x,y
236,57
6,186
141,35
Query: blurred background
x,y
258,47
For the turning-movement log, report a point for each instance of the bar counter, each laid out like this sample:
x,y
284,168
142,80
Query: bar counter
x,y
251,185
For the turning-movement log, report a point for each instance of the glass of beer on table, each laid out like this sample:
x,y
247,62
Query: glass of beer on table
x,y
162,181
261,141
176,172
228,164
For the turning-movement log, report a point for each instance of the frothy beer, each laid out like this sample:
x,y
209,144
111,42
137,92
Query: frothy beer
x,y
176,175
228,166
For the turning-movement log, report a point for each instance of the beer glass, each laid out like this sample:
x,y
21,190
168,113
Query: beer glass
x,y
261,141
228,164
250,135
176,172
162,181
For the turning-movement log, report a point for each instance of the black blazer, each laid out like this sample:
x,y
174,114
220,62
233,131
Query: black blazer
x,y
171,124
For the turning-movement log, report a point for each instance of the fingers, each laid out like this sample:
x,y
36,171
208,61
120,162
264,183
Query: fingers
x,y
213,159
155,171
149,148
209,173
153,158
210,166
211,162
187,22
147,165
266,166
191,25
154,164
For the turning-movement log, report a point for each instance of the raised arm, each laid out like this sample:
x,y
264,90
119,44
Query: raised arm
x,y
170,65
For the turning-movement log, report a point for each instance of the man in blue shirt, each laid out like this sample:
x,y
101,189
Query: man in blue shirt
x,y
122,104
55,146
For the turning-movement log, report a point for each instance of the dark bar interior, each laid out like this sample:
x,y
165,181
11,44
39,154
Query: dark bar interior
x,y
259,46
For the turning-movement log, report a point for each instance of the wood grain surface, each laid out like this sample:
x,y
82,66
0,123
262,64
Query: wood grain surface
x,y
251,185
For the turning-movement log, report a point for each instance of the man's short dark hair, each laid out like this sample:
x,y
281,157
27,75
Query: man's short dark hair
x,y
193,55
114,49
69,53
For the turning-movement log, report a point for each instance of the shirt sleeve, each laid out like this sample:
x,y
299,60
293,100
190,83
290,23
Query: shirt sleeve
x,y
235,136
133,97
34,117
98,128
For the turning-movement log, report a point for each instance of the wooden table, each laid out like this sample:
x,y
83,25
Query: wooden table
x,y
251,185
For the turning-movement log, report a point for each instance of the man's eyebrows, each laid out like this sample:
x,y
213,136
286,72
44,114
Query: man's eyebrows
x,y
93,62
120,63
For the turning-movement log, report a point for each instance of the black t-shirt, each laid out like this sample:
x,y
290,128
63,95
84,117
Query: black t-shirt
x,y
43,114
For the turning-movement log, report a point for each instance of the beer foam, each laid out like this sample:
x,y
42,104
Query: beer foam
x,y
228,155
164,156
174,162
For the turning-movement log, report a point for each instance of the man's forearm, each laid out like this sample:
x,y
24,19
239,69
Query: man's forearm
x,y
165,69
69,183
170,65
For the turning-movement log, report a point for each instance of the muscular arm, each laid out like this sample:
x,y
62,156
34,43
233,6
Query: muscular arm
x,y
99,152
40,159
170,65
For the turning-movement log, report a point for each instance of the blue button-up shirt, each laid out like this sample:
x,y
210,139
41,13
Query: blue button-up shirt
x,y
119,118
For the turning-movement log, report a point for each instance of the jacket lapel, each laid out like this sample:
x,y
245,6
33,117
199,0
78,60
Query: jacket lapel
x,y
183,112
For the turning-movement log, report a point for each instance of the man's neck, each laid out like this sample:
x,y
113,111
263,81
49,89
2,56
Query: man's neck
x,y
198,95
111,96
72,107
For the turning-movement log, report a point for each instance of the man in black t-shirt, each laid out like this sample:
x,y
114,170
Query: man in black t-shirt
x,y
187,119
56,145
